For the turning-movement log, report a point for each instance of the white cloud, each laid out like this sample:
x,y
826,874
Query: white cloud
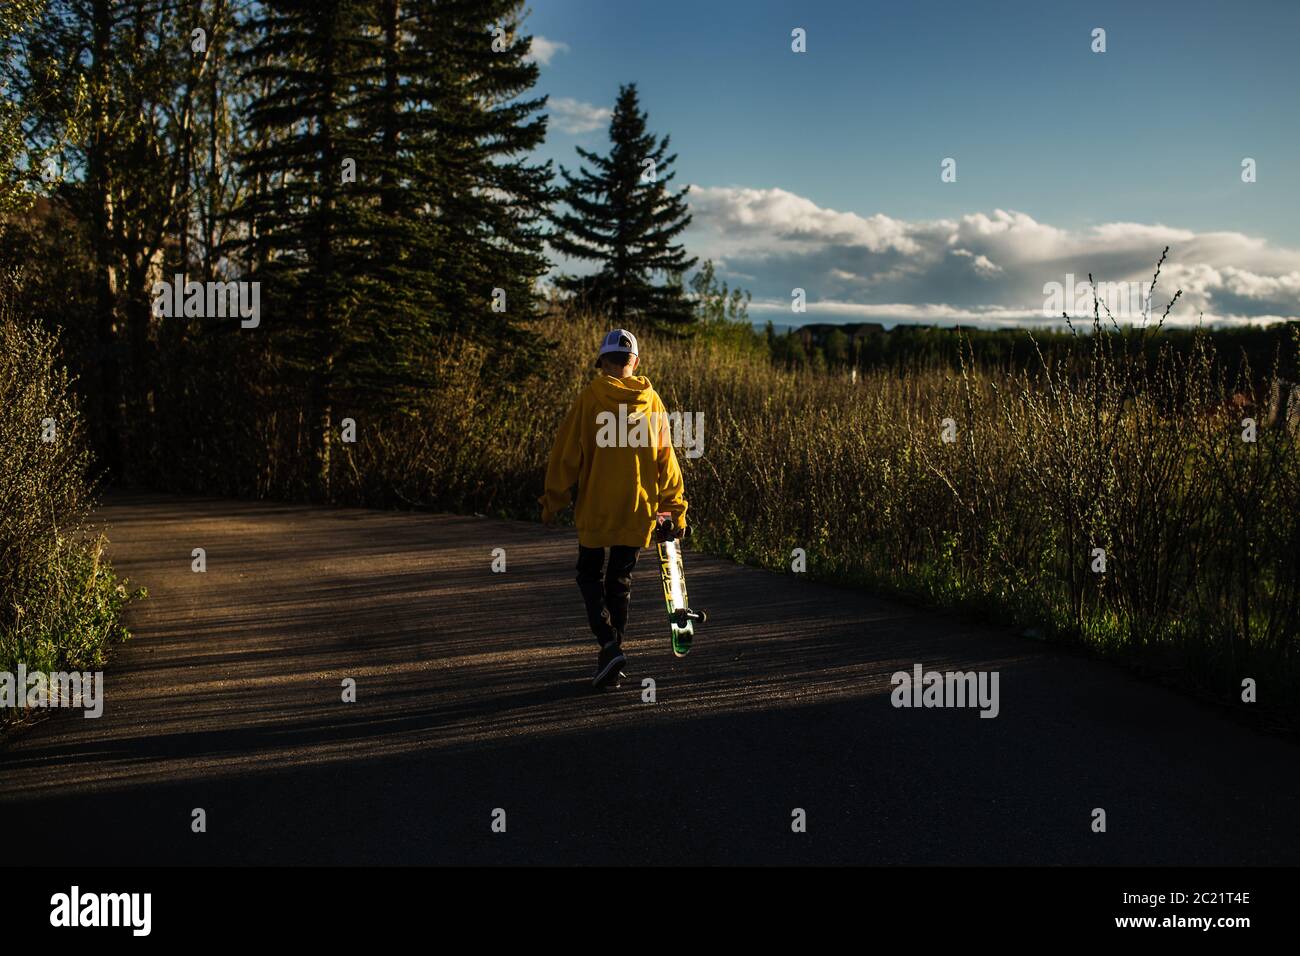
x,y
574,116
775,217
980,265
982,268
544,50
939,313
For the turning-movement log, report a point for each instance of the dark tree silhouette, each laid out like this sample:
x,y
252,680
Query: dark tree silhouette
x,y
622,216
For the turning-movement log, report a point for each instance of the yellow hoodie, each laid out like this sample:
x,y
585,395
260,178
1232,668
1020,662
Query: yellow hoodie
x,y
621,460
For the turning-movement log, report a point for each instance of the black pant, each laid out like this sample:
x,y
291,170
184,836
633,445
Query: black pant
x,y
606,592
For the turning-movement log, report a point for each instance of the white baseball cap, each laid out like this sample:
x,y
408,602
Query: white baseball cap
x,y
618,340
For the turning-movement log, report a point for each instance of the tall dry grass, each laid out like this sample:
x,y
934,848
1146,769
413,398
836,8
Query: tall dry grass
x,y
1112,446
1108,449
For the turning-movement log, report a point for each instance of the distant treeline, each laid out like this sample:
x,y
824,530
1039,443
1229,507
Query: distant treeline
x,y
871,346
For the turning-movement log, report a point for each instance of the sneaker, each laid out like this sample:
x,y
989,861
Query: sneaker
x,y
608,665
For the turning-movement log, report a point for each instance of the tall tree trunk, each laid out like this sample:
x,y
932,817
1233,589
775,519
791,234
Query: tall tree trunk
x,y
102,227
323,379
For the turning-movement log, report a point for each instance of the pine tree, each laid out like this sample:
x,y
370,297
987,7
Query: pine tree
x,y
394,193
622,216
468,137
305,58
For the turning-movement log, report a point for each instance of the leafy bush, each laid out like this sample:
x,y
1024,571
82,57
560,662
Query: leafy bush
x,y
60,603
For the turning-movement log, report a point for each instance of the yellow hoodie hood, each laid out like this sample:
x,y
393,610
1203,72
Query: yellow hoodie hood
x,y
615,446
635,392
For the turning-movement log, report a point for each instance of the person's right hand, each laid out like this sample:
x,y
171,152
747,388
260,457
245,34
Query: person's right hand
x,y
666,530
548,517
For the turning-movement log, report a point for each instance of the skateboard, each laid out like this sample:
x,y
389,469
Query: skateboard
x,y
681,619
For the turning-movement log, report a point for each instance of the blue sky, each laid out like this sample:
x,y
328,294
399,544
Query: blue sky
x,y
821,169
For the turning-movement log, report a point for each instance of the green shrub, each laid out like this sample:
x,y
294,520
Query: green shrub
x,y
60,604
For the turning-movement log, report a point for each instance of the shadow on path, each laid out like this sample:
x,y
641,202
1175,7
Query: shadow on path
x,y
472,695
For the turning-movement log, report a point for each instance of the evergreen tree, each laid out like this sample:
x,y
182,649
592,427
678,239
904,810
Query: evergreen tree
x,y
467,138
305,57
394,196
622,216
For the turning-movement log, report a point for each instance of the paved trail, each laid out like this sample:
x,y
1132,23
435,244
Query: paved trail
x,y
473,695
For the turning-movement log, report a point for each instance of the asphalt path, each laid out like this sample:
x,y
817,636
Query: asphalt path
x,y
473,706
